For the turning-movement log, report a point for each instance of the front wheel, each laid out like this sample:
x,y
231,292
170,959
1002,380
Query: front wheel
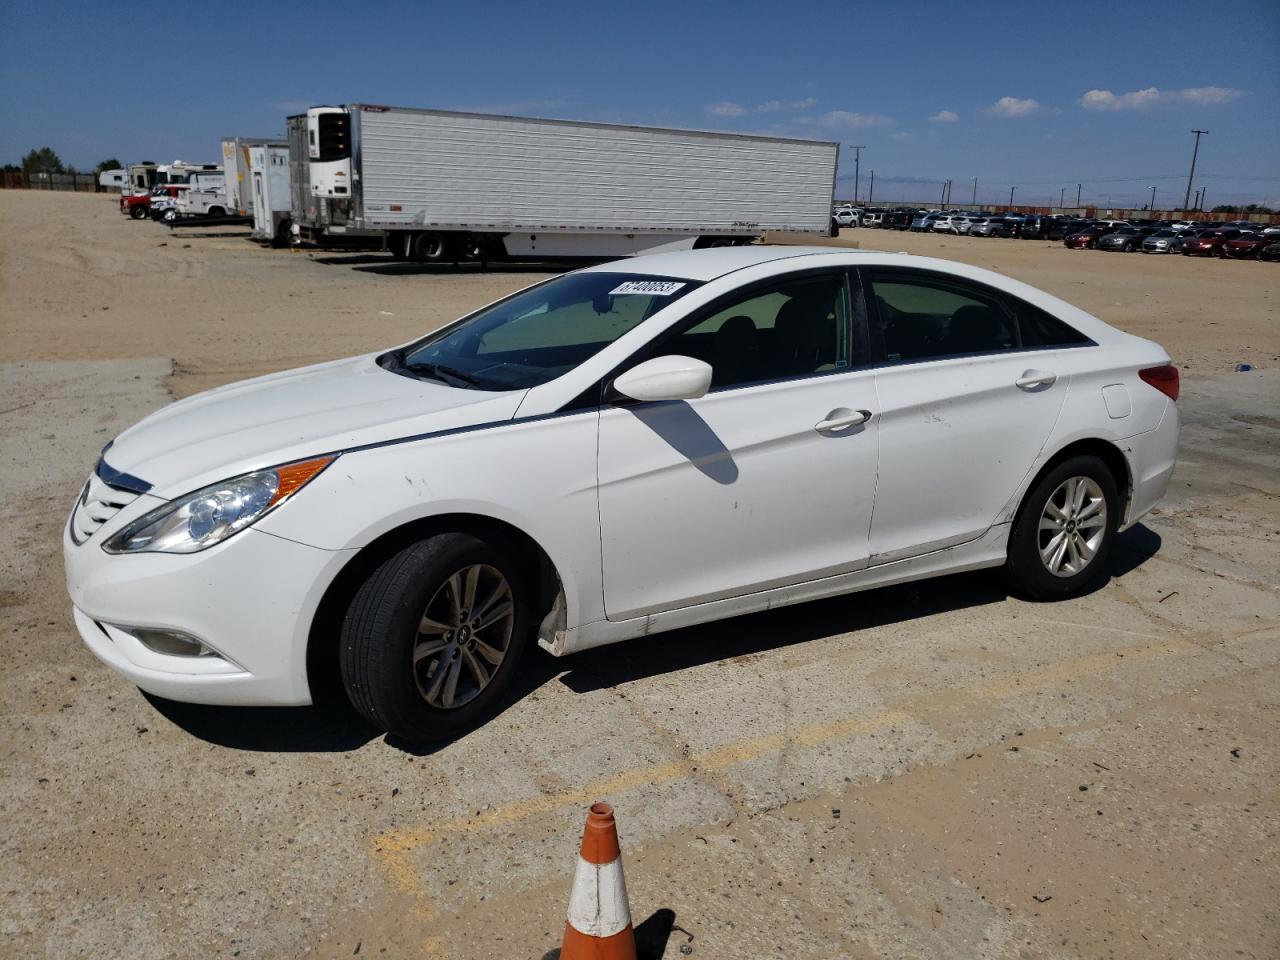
x,y
1063,531
432,638
138,212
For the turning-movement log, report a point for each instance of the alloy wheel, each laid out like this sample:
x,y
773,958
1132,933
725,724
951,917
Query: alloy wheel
x,y
1073,526
464,636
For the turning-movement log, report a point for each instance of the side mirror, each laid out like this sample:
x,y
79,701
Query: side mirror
x,y
666,378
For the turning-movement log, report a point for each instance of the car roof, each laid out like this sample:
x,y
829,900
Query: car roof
x,y
711,264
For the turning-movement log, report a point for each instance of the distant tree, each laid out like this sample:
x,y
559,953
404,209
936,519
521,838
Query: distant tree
x,y
70,169
1258,208
112,164
11,168
1225,208
43,160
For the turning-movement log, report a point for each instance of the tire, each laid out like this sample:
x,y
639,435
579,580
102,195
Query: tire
x,y
382,633
138,212
432,248
169,215
1026,569
216,212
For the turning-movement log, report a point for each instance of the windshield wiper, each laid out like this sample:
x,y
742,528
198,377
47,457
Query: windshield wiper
x,y
438,371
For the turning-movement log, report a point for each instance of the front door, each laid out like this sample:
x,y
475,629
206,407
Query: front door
x,y
769,479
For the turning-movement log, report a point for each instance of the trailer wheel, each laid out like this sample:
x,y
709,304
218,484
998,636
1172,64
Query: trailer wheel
x,y
431,248
281,236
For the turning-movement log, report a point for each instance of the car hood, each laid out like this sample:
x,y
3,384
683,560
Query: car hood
x,y
290,416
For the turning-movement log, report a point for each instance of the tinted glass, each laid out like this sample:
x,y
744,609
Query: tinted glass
x,y
1041,329
540,333
790,329
923,316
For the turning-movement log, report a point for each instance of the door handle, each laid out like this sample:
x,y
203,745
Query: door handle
x,y
842,417
1035,380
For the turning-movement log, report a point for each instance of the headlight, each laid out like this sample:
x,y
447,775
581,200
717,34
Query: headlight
x,y
208,516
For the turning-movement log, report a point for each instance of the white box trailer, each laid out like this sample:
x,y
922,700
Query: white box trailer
x,y
442,185
235,161
269,170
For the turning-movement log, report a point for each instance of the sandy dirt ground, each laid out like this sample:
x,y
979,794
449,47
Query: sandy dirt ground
x,y
935,770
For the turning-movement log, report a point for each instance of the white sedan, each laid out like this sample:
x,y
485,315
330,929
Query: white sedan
x,y
621,450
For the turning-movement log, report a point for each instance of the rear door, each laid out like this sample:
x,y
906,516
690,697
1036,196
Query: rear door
x,y
965,408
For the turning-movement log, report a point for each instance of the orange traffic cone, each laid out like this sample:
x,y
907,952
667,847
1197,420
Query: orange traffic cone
x,y
599,922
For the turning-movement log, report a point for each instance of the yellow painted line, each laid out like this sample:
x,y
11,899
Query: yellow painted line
x,y
399,841
390,849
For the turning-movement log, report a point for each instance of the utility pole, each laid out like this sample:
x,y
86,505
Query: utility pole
x,y
1194,150
857,163
1203,191
974,199
1011,189
949,191
1062,195
871,191
1077,196
1153,199
1196,206
942,200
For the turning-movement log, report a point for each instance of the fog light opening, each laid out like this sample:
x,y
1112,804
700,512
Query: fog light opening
x,y
171,643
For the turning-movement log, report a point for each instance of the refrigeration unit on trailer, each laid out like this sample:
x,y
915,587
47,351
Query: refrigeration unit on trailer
x,y
445,186
235,160
269,170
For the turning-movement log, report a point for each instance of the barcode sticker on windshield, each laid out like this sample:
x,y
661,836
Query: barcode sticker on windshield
x,y
654,288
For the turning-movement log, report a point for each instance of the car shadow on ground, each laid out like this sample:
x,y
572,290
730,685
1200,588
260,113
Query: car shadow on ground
x,y
332,726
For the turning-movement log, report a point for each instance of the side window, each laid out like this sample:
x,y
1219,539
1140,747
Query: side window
x,y
790,329
1040,329
923,316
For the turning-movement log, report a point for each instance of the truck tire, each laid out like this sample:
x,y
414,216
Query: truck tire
x,y
138,211
169,215
431,248
433,637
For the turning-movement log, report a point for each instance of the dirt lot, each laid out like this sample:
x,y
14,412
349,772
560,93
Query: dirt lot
x,y
936,770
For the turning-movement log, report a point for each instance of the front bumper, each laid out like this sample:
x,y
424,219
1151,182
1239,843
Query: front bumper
x,y
251,599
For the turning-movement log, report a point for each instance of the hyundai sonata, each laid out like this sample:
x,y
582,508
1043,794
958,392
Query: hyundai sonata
x,y
617,451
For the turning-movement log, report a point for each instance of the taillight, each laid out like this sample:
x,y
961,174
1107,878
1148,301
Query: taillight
x,y
1164,378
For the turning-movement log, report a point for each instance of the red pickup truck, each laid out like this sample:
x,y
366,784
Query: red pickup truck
x,y
138,205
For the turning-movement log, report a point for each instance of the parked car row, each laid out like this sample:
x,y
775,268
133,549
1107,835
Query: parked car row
x,y
1240,239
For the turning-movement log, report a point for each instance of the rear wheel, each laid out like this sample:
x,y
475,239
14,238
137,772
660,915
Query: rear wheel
x,y
431,248
434,635
138,212
1062,535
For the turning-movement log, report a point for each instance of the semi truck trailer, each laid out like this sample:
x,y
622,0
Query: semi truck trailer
x,y
447,186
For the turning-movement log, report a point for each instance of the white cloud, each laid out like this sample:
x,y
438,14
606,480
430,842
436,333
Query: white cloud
x,y
1013,107
1105,100
727,108
847,118
944,116
774,106
900,135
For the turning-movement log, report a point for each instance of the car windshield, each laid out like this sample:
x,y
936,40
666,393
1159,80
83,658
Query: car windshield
x,y
1164,233
540,333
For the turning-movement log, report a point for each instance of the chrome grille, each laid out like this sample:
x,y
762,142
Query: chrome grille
x,y
99,502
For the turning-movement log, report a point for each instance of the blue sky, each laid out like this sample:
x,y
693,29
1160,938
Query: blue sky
x,y
1040,96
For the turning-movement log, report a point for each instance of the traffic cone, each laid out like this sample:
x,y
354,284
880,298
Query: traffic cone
x,y
599,922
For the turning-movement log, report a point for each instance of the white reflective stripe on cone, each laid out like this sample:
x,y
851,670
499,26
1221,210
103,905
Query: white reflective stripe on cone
x,y
598,902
